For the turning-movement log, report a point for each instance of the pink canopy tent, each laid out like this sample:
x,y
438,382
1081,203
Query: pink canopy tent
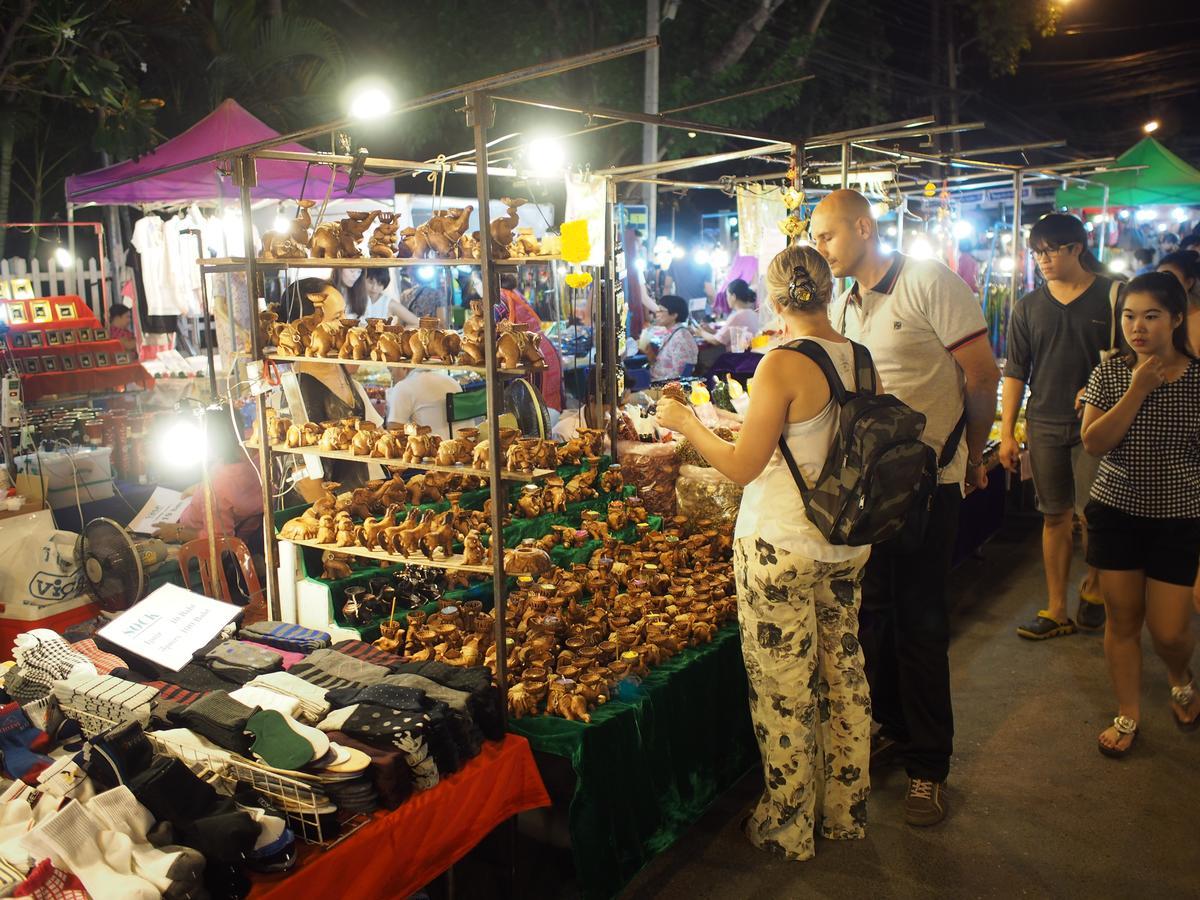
x,y
228,126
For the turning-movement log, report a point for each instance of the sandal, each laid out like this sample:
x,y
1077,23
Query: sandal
x,y
1043,627
1124,726
1183,696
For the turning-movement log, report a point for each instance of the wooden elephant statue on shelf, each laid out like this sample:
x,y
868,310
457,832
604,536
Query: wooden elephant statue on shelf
x,y
429,342
293,243
504,228
516,347
356,344
385,237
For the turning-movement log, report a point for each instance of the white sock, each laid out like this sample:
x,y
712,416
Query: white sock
x,y
119,812
71,839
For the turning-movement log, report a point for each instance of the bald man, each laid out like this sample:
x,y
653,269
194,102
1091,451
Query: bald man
x,y
928,337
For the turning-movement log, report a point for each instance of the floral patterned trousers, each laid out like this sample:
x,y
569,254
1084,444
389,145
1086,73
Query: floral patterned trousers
x,y
808,696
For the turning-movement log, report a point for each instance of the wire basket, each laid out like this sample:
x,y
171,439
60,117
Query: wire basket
x,y
310,813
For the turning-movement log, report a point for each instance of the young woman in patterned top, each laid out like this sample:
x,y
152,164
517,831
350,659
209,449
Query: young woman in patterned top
x,y
1142,415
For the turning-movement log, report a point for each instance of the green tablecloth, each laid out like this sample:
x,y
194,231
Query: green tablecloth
x,y
652,760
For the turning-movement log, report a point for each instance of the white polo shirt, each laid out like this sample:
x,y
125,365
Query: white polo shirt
x,y
912,321
421,399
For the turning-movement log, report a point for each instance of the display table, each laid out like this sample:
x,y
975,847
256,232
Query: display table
x,y
400,851
652,760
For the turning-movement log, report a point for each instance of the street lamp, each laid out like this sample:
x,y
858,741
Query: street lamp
x,y
1151,126
369,101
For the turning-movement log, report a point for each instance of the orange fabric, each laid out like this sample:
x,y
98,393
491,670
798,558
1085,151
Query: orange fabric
x,y
401,851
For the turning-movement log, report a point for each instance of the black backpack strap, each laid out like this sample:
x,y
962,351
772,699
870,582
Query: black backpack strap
x,y
837,389
817,354
951,446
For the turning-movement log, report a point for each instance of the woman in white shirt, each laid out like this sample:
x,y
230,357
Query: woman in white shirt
x,y
744,301
798,595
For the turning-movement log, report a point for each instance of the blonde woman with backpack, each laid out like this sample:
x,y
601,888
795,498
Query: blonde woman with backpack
x,y
798,593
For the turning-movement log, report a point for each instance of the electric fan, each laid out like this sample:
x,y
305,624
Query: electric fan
x,y
525,404
114,564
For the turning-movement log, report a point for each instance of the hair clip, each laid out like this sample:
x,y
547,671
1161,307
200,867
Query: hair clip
x,y
800,286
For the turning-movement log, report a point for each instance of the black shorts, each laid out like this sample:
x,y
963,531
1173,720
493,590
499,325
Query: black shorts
x,y
1166,550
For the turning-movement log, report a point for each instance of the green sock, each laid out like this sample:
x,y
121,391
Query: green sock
x,y
277,744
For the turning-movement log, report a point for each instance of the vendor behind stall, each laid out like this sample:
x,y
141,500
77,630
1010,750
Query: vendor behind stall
x,y
669,345
744,303
120,326
328,391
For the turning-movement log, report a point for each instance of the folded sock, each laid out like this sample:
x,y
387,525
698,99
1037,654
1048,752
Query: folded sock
x,y
367,653
172,792
103,661
21,689
240,662
72,837
330,669
265,698
45,714
337,719
45,882
407,733
286,636
485,706
219,718
44,657
116,755
21,744
289,657
195,677
313,705
107,696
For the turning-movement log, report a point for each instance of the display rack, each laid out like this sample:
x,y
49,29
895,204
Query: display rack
x,y
391,463
479,114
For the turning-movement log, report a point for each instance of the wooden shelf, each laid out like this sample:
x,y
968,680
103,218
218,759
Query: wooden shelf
x,y
365,262
453,562
433,364
401,464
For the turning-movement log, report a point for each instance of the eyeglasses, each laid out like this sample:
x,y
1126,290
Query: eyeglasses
x,y
1048,252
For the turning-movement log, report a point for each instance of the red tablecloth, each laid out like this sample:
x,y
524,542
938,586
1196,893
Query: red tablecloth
x,y
398,852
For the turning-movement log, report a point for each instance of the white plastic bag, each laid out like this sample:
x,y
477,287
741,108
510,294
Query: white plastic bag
x,y
39,577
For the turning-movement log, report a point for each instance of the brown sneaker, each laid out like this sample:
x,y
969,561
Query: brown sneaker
x,y
924,804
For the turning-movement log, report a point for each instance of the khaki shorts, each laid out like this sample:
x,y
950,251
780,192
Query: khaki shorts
x,y
1063,471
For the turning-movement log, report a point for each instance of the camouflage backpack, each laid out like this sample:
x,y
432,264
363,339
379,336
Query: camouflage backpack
x,y
877,469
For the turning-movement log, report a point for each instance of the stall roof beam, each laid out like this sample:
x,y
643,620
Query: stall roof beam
x,y
446,95
899,134
956,161
660,119
840,137
376,162
674,165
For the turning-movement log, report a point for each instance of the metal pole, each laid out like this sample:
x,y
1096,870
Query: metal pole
x,y
479,115
76,276
210,331
1017,253
902,214
245,177
650,132
609,361
1102,249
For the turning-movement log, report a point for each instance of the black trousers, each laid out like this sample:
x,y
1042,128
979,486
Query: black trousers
x,y
904,629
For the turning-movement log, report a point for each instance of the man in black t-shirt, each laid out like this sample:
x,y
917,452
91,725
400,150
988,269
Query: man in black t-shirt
x,y
1056,337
